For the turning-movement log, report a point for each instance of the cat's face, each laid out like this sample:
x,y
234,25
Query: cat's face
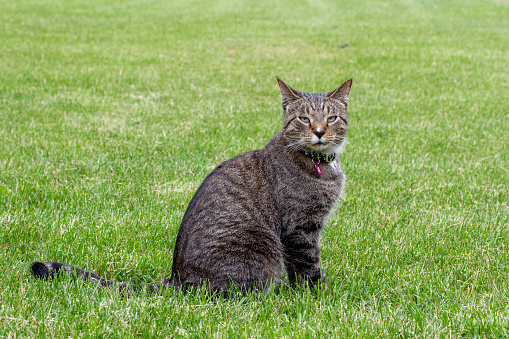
x,y
315,121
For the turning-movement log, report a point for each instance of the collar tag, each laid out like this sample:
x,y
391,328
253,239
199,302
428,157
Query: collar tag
x,y
318,170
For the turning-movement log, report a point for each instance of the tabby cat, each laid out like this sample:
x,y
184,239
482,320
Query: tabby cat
x,y
261,212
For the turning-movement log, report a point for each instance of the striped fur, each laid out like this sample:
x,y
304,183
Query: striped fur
x,y
260,213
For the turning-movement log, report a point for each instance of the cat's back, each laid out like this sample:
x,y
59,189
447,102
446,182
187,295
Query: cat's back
x,y
232,214
237,181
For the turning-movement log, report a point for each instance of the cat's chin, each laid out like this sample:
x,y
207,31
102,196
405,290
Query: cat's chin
x,y
325,149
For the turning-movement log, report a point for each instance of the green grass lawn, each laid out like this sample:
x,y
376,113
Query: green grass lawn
x,y
113,112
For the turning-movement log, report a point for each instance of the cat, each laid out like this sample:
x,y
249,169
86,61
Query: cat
x,y
260,213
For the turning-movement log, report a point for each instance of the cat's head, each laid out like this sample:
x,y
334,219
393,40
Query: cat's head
x,y
315,121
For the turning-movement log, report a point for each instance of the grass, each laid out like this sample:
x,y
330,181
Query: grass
x,y
112,113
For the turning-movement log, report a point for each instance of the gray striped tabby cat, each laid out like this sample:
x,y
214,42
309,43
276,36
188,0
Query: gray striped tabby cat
x,y
261,212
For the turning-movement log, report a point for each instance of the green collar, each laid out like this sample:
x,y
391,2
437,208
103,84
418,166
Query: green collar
x,y
320,156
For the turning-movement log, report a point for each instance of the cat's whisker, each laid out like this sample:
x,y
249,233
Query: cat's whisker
x,y
296,146
337,144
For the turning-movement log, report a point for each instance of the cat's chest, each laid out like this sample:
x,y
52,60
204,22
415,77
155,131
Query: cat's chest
x,y
317,195
306,200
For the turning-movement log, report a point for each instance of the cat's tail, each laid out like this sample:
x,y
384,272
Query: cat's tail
x,y
49,270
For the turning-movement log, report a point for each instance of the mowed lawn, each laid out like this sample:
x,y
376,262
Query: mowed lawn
x,y
113,112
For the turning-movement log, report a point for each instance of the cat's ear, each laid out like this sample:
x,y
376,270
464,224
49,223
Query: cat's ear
x,y
341,93
288,94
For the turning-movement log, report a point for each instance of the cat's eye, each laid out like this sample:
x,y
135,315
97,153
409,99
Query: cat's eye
x,y
304,119
332,118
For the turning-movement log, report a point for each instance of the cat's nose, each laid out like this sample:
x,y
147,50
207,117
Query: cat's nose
x,y
319,132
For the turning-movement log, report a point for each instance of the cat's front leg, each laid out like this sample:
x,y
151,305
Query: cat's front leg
x,y
302,259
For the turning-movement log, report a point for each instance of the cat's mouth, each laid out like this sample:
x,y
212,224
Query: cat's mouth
x,y
319,143
322,145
